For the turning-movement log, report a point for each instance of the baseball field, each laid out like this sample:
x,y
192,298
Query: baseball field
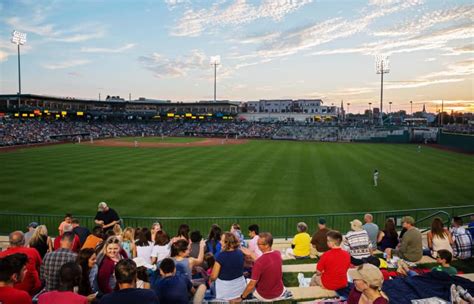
x,y
256,177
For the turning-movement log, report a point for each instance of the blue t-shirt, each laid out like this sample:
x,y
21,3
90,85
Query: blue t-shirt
x,y
130,295
232,264
173,289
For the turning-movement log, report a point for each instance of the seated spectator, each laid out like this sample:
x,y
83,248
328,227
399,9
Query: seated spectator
x,y
81,232
371,228
162,247
54,260
470,226
357,243
41,241
267,276
143,280
410,247
388,237
444,259
319,239
31,230
195,238
213,242
69,279
462,248
94,239
183,233
228,270
31,282
126,276
12,271
301,245
117,231
185,263
331,270
128,242
439,238
235,229
253,247
144,245
76,244
87,260
154,229
106,217
173,289
111,256
67,221
368,282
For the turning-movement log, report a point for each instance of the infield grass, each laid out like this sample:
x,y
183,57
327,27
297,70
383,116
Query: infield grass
x,y
257,178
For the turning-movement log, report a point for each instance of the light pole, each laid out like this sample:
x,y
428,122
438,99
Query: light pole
x,y
382,66
390,107
19,38
411,107
348,104
215,61
370,110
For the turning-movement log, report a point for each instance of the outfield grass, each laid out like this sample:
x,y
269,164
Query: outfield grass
x,y
159,140
257,178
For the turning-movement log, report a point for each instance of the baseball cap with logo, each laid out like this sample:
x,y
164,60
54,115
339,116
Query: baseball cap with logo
x,y
33,225
368,273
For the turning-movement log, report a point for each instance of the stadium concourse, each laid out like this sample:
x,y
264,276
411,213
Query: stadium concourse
x,y
115,264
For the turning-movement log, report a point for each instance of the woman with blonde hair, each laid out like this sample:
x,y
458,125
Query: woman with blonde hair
x,y
111,256
118,231
128,242
41,241
228,270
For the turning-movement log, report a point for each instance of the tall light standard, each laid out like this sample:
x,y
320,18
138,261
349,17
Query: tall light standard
x,y
390,107
19,38
382,66
411,107
215,61
370,111
348,104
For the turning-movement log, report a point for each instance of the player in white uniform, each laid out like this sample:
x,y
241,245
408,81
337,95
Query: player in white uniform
x,y
376,177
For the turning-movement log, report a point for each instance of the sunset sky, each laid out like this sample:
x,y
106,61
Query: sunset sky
x,y
269,49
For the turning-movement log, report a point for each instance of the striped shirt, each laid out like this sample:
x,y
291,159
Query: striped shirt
x,y
358,244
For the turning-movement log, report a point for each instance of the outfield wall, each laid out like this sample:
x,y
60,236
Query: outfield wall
x,y
463,142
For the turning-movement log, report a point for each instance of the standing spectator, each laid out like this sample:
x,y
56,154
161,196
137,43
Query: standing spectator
x,y
439,238
301,245
126,276
67,221
12,271
183,233
76,244
106,217
31,230
41,241
31,283
371,228
144,245
331,270
94,239
161,248
235,229
368,282
87,260
173,289
267,275
81,232
319,239
228,270
111,253
213,243
69,279
357,243
388,237
253,234
462,248
128,242
154,229
54,260
410,247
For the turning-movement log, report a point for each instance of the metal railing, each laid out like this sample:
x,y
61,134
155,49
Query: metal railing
x,y
279,226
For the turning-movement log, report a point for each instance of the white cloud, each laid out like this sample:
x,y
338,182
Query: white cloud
x,y
108,50
195,22
65,64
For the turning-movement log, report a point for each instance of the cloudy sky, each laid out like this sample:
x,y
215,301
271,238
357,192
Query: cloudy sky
x,y
268,49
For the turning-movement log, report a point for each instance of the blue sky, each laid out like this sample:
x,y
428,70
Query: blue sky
x,y
268,49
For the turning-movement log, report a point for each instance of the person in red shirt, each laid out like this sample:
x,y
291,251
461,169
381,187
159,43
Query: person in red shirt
x,y
31,283
76,244
267,277
331,270
12,270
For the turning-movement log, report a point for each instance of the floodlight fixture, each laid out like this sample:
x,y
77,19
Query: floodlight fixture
x,y
18,38
215,61
382,66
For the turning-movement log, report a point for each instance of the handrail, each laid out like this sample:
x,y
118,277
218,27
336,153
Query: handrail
x,y
432,215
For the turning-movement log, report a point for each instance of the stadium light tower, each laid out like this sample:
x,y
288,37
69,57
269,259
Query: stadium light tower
x,y
382,66
215,61
390,107
18,38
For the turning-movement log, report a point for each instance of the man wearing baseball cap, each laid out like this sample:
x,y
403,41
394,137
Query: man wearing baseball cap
x,y
410,247
31,229
368,282
106,217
